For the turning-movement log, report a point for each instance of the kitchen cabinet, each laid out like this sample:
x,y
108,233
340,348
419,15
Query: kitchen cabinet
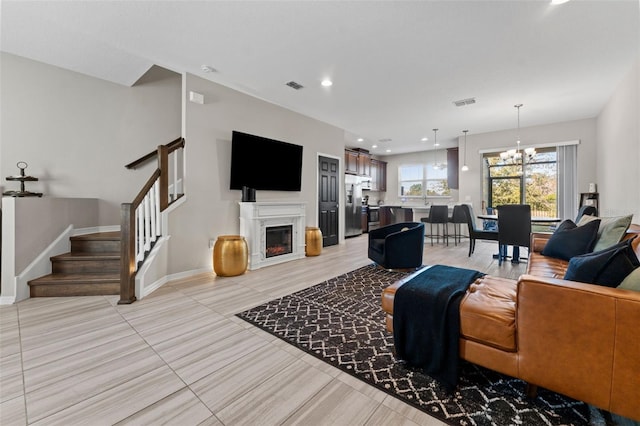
x,y
357,162
394,214
452,168
351,162
364,164
378,175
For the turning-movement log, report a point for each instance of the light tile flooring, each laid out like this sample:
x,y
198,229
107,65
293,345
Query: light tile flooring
x,y
181,357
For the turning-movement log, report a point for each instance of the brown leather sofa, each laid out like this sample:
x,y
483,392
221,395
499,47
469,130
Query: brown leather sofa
x,y
580,340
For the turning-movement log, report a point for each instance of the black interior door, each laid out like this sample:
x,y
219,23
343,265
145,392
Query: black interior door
x,y
328,194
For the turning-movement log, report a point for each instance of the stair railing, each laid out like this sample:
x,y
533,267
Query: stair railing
x,y
141,219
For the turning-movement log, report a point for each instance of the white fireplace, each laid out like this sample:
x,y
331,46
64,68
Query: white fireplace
x,y
274,231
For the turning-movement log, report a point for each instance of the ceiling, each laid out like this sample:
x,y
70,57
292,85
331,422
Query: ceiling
x,y
397,66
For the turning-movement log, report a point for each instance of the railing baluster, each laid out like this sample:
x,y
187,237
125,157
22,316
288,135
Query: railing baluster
x,y
140,215
147,223
156,188
152,213
175,175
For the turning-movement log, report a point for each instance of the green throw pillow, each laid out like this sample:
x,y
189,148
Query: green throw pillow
x,y
632,281
611,229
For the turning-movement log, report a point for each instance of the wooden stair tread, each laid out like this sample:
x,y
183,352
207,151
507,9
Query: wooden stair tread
x,y
86,256
53,279
104,236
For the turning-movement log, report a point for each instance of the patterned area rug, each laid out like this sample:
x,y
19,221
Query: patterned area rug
x,y
341,322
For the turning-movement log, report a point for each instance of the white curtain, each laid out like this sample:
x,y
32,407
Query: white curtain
x,y
567,181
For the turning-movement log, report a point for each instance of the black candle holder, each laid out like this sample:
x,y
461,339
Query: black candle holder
x,y
22,178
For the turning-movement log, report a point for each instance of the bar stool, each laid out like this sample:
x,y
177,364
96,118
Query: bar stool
x,y
438,215
458,217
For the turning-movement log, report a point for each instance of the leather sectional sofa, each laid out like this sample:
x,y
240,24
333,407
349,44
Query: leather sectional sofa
x,y
580,340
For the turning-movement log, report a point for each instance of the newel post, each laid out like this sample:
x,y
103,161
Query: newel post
x,y
127,254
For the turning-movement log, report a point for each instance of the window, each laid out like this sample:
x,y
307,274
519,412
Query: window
x,y
535,182
422,180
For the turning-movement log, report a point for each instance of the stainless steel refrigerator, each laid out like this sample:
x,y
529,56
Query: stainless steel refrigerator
x,y
353,206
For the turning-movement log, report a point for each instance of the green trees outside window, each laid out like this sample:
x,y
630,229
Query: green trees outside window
x,y
535,182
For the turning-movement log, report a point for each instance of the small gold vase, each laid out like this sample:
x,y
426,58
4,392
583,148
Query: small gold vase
x,y
313,241
230,255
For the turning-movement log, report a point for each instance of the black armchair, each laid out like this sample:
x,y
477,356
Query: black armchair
x,y
474,232
397,246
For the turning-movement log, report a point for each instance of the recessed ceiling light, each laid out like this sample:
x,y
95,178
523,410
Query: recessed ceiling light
x,y
360,139
424,139
374,146
388,150
207,68
326,82
558,1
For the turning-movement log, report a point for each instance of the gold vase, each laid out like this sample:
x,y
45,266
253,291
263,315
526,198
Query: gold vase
x,y
230,255
313,241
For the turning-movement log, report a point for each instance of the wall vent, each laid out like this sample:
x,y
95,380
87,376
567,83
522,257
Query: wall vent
x,y
463,102
294,85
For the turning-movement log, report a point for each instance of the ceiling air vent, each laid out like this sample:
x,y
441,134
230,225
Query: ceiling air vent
x,y
463,102
384,140
294,85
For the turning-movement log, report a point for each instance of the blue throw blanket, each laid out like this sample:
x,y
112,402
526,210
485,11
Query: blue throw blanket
x,y
426,321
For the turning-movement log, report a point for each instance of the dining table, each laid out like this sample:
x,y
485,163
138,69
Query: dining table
x,y
534,219
515,258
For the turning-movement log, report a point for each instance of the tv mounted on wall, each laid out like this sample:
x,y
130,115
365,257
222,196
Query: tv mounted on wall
x,y
264,164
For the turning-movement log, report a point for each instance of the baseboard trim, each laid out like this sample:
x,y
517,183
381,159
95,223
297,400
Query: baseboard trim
x,y
7,300
168,278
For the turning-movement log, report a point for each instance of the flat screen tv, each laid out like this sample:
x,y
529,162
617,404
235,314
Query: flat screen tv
x,y
264,164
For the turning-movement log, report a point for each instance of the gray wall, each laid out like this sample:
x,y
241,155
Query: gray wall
x,y
211,209
618,148
77,132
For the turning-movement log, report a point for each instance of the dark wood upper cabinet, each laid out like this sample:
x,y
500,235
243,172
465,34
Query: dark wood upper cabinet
x,y
357,162
350,162
378,175
452,168
364,164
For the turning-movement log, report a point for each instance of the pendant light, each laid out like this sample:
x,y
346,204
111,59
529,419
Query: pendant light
x,y
464,165
436,165
514,155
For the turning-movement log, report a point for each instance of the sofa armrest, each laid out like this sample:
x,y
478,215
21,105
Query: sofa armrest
x,y
580,340
539,240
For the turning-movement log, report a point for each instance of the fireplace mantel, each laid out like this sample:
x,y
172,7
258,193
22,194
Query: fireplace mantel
x,y
256,217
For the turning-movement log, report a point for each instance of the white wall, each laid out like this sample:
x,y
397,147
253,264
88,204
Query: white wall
x,y
618,149
78,132
582,130
211,209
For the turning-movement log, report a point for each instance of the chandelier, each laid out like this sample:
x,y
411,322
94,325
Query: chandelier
x,y
464,165
436,165
515,156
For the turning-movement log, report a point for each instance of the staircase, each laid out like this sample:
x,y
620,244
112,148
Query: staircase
x,y
92,268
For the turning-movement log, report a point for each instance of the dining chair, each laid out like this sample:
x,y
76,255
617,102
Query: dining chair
x,y
474,232
458,217
438,215
514,229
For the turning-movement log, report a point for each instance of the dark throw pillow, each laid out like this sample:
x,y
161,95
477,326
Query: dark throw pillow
x,y
570,240
608,267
